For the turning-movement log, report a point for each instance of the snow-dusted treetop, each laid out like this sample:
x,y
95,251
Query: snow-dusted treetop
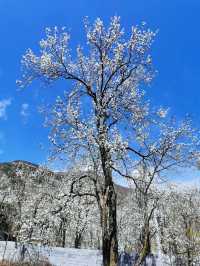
x,y
109,73
105,103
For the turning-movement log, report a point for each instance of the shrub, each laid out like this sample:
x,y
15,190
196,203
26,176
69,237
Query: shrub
x,y
42,262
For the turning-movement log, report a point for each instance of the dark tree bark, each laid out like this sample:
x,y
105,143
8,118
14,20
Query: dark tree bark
x,y
77,241
109,227
145,242
63,237
107,203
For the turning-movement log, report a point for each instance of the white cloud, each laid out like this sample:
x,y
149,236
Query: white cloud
x,y
24,110
3,107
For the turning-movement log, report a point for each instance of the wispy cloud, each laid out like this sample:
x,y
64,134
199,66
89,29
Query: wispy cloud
x,y
3,107
25,110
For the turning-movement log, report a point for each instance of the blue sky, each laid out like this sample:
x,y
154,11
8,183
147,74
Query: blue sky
x,y
176,54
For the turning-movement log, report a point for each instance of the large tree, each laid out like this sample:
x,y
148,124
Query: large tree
x,y
103,99
103,120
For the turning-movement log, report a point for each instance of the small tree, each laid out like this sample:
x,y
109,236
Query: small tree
x,y
179,221
163,145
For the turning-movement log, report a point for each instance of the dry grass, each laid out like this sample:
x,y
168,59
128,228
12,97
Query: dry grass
x,y
26,263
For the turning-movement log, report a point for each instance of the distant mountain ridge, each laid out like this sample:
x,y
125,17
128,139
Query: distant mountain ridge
x,y
9,168
17,162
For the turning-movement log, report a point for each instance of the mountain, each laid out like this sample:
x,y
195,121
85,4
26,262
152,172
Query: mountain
x,y
10,168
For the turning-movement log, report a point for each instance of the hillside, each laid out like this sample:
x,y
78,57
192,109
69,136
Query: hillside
x,y
9,169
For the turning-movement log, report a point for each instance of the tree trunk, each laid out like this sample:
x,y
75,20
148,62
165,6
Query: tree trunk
x,y
188,228
109,227
107,200
77,241
146,244
63,237
189,257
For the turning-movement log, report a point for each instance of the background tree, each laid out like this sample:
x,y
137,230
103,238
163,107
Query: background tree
x,y
163,145
179,223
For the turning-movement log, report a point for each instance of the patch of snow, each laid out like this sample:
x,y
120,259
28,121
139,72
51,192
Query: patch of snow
x,y
57,256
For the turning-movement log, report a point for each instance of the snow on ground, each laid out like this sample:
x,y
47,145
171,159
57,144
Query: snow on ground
x,y
57,256
74,257
62,256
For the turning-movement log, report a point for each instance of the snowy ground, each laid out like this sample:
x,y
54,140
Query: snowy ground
x,y
57,256
62,256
